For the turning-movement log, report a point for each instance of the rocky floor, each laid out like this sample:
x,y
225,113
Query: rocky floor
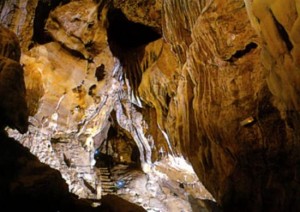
x,y
169,185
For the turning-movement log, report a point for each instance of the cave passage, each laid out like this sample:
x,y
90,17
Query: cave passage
x,y
108,155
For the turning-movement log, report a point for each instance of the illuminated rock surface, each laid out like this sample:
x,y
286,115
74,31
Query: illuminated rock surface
x,y
145,83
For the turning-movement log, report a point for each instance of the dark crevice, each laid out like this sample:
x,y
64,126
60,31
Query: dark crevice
x,y
240,53
125,35
100,72
168,99
283,34
42,11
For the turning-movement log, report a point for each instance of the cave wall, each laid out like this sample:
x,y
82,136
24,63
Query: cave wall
x,y
236,104
220,87
233,112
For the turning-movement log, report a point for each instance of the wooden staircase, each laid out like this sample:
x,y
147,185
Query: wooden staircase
x,y
107,184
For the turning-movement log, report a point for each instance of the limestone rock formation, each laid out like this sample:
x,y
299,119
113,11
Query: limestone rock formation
x,y
74,88
145,12
214,81
76,25
224,85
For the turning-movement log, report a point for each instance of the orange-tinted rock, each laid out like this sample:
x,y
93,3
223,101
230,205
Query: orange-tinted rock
x,y
223,84
76,26
139,11
221,88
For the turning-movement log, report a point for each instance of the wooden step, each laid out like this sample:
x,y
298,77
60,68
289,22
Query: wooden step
x,y
110,183
104,173
108,190
106,193
105,180
108,187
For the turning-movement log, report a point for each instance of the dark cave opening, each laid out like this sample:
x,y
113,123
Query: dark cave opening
x,y
124,35
118,148
42,11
